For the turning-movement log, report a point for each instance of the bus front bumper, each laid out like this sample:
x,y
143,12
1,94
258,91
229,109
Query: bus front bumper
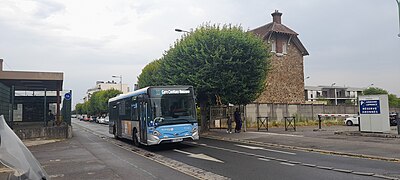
x,y
154,140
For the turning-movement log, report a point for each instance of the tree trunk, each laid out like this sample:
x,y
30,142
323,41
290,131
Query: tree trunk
x,y
203,113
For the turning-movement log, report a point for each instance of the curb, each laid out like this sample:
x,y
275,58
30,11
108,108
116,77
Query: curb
x,y
357,133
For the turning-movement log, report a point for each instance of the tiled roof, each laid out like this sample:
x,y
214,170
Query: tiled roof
x,y
273,27
265,31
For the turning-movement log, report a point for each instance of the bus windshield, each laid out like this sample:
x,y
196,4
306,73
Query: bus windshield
x,y
173,109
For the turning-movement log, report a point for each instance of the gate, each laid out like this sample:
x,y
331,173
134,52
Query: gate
x,y
219,117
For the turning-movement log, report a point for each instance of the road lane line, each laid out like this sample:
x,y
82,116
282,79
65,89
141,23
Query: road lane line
x,y
276,134
265,149
287,164
263,159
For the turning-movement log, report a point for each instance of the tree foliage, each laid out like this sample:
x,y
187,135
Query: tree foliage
x,y
98,102
394,101
374,91
150,75
218,61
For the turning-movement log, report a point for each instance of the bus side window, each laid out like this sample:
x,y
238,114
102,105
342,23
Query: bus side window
x,y
134,114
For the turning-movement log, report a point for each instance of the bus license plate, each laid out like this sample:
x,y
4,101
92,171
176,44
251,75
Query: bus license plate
x,y
177,140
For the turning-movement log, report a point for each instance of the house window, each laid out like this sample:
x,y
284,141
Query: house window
x,y
284,48
273,46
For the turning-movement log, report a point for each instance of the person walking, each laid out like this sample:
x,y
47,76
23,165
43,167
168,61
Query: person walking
x,y
238,121
229,122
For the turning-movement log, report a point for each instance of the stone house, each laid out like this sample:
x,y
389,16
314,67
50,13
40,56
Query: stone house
x,y
285,79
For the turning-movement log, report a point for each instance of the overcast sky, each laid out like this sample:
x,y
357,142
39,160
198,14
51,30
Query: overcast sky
x,y
351,43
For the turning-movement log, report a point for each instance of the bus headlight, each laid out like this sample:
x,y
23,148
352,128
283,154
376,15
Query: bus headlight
x,y
156,133
194,130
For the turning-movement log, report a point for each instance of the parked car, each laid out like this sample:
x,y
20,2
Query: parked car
x,y
82,117
103,120
106,120
93,119
350,121
87,118
73,116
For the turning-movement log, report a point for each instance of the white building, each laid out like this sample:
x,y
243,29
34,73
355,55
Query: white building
x,y
334,94
101,85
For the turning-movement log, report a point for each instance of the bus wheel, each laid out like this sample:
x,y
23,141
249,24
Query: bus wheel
x,y
135,139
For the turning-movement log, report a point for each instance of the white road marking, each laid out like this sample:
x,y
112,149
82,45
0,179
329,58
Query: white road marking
x,y
265,149
199,156
288,164
276,134
263,159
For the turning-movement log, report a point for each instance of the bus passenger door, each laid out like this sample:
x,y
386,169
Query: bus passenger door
x,y
142,121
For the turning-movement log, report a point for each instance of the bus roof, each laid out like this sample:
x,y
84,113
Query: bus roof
x,y
129,94
142,91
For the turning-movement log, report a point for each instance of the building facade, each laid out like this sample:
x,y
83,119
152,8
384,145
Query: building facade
x,y
102,85
333,95
285,78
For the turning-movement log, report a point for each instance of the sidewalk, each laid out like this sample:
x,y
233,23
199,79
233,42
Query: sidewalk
x,y
5,171
339,140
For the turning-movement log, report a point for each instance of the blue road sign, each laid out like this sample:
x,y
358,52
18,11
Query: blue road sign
x,y
370,107
67,96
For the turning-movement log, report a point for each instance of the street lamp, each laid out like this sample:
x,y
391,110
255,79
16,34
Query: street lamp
x,y
180,30
335,93
398,5
120,81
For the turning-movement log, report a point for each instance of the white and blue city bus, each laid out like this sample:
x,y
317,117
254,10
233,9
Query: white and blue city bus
x,y
154,115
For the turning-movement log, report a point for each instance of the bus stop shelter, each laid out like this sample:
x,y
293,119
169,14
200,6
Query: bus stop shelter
x,y
26,97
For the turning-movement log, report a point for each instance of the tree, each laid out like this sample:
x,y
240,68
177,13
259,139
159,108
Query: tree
x,y
224,62
374,91
150,75
79,108
394,101
98,102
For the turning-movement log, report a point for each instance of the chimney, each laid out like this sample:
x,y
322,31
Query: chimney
x,y
276,17
1,64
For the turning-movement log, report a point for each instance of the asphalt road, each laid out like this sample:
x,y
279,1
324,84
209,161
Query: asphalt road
x,y
244,161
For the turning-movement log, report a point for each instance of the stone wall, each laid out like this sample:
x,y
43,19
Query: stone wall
x,y
285,79
277,112
52,132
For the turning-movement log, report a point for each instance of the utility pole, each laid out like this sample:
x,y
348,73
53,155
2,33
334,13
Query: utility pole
x,y
398,5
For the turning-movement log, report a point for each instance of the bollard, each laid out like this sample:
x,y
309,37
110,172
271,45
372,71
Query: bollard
x,y
319,121
398,125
